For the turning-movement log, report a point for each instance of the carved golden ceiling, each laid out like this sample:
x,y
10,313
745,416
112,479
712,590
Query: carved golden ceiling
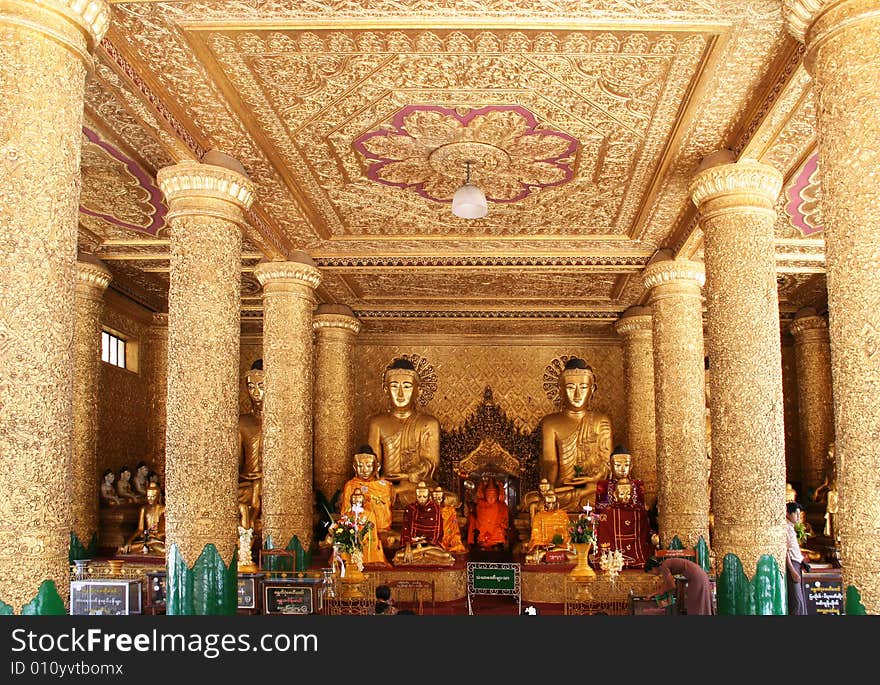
x,y
584,120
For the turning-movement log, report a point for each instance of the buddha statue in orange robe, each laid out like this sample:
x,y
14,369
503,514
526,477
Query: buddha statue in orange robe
x,y
489,522
371,546
451,532
549,524
378,492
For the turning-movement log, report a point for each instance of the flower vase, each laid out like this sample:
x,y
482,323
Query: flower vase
x,y
582,570
350,580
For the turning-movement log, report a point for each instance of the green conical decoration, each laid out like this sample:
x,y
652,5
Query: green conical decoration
x,y
702,550
5,609
78,551
302,560
765,594
854,606
208,588
47,602
675,543
771,594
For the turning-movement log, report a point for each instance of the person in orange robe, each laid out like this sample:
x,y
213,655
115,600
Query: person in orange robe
x,y
451,532
489,523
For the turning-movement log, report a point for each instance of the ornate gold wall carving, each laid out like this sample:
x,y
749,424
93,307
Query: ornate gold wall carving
x,y
514,372
44,53
155,358
742,316
206,203
841,55
288,300
682,466
91,282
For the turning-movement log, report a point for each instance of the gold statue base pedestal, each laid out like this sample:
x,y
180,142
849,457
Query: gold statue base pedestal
x,y
350,584
582,570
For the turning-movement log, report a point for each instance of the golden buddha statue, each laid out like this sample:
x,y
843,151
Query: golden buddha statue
x,y
621,517
790,493
123,486
533,501
108,490
378,492
422,533
250,450
821,492
549,531
576,442
140,480
488,523
406,440
149,536
371,546
451,532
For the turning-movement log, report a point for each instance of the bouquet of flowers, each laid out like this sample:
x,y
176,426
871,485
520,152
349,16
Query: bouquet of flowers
x,y
582,529
348,533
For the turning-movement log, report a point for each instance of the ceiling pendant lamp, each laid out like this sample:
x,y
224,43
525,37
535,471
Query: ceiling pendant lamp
x,y
469,202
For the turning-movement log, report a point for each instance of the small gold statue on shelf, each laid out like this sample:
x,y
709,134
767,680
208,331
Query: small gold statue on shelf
x,y
451,532
378,493
123,486
549,532
108,490
250,451
149,536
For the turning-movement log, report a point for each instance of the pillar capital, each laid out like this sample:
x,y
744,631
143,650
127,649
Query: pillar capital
x,y
742,184
91,276
809,327
635,321
160,320
199,189
670,271
812,22
335,316
297,273
79,25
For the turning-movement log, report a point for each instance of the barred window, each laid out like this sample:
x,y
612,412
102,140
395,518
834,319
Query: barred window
x,y
112,349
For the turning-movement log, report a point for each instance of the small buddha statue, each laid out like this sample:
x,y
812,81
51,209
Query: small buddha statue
x,y
821,492
422,533
123,486
621,518
149,536
140,480
576,441
830,529
371,545
790,493
488,523
451,532
108,490
378,492
250,450
406,439
533,501
549,531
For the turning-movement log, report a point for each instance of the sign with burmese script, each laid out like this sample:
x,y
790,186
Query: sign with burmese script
x,y
105,597
280,597
824,593
485,578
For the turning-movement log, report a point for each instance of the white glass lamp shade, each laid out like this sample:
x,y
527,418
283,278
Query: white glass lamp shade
x,y
469,202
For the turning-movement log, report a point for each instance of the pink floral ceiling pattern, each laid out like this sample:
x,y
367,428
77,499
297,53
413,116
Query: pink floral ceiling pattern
x,y
425,148
116,189
804,199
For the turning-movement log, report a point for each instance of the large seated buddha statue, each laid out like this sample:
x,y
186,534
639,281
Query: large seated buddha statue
x,y
575,441
621,517
378,494
422,534
406,439
549,531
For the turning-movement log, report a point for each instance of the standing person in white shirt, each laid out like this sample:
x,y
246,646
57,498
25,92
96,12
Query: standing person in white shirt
x,y
794,562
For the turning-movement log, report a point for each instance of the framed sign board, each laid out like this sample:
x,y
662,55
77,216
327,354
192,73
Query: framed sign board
x,y
105,597
294,595
484,578
247,592
824,593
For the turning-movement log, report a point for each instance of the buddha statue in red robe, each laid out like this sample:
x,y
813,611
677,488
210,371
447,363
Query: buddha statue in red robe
x,y
422,534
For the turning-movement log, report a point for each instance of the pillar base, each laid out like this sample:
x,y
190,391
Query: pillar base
x,y
208,588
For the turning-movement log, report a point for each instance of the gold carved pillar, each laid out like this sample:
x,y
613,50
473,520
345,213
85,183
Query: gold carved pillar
x,y
45,51
841,40
92,279
736,203
682,464
635,326
288,301
812,351
206,210
335,328
156,361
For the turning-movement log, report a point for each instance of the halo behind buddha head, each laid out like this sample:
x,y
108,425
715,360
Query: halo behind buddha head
x,y
422,371
555,371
